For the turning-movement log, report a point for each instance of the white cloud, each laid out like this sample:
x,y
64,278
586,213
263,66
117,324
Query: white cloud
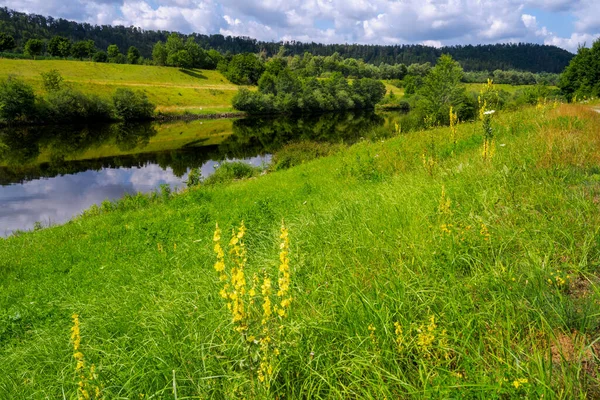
x,y
440,22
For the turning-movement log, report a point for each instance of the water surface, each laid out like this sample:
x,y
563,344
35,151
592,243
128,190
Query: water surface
x,y
48,175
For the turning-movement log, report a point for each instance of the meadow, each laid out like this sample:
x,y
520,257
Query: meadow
x,y
173,90
426,265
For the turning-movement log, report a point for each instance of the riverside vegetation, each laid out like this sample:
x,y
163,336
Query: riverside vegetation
x,y
450,262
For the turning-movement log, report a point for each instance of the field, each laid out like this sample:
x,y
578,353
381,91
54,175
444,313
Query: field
x,y
171,89
417,269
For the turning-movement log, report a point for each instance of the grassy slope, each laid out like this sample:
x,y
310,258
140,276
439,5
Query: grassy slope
x,y
369,247
173,90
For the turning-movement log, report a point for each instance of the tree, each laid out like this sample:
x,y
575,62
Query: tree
x,y
17,99
197,55
130,105
100,56
174,44
180,59
582,77
52,80
114,55
59,46
83,49
159,54
34,47
133,55
441,90
7,42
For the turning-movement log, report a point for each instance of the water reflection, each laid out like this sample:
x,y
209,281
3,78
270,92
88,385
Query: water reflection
x,y
50,174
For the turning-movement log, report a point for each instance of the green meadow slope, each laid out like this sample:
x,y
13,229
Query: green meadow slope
x,y
460,278
171,89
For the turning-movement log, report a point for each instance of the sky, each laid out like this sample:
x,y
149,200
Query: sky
x,y
564,23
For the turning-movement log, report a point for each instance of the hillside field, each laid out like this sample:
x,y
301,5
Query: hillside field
x,y
417,268
171,89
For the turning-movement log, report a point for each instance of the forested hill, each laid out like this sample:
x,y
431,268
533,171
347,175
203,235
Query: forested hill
x,y
525,57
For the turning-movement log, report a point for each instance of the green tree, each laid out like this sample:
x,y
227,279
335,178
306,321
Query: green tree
x,y
17,100
34,47
159,54
442,89
582,77
114,55
100,56
197,55
52,80
180,59
133,55
131,106
7,42
174,44
59,46
83,49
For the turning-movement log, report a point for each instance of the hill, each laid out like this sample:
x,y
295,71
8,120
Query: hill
x,y
521,56
171,89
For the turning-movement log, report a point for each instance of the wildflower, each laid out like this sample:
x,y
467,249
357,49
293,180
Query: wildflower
x,y
399,336
484,232
489,112
453,122
426,336
284,273
518,382
372,330
444,206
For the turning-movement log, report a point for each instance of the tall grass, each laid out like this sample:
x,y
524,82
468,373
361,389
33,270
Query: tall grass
x,y
478,281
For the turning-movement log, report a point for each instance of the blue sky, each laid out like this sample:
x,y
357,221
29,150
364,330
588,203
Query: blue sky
x,y
564,23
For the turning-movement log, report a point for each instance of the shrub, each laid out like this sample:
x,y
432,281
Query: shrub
x,y
100,56
52,80
229,171
17,100
68,105
132,106
298,153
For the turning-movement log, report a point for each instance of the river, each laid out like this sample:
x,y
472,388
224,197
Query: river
x,y
49,175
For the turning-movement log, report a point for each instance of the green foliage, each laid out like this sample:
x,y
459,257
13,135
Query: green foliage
x,y
114,55
582,77
34,47
441,90
7,42
133,55
159,54
181,59
83,49
17,100
289,93
59,46
243,69
69,105
229,171
298,153
100,56
131,106
52,80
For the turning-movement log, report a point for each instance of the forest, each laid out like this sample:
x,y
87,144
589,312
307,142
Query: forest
x,y
524,57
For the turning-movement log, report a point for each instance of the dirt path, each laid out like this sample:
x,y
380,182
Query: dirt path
x,y
166,85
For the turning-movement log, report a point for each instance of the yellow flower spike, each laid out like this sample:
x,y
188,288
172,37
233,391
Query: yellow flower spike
x,y
399,335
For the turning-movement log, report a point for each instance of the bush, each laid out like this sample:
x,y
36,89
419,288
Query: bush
x,y
68,105
132,106
298,153
100,56
229,171
52,80
17,100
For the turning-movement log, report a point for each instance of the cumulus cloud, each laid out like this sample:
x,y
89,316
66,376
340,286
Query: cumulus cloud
x,y
436,22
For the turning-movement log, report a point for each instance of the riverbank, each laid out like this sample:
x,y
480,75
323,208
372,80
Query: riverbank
x,y
413,275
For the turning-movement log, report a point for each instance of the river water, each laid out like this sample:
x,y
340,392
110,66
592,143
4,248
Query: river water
x,y
49,175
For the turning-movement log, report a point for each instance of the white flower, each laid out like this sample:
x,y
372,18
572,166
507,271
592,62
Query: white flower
x,y
490,112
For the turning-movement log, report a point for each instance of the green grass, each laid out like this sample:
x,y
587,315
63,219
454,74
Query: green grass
x,y
370,247
171,89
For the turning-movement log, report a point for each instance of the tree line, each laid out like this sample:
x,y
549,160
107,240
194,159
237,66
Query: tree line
x,y
581,79
62,104
522,56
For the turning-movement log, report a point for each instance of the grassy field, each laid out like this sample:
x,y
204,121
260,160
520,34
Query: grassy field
x,y
171,89
456,277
